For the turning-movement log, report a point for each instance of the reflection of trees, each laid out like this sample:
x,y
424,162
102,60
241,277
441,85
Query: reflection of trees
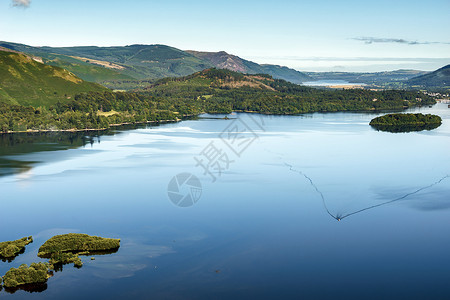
x,y
405,128
25,143
30,288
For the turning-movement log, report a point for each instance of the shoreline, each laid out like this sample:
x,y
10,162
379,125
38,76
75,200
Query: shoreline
x,y
196,115
92,129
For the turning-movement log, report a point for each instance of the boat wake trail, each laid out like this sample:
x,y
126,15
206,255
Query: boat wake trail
x,y
340,217
397,199
291,168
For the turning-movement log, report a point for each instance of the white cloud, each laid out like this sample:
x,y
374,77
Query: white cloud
x,y
21,3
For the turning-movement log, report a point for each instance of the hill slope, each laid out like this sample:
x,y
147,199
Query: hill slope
x,y
437,79
26,81
117,63
223,60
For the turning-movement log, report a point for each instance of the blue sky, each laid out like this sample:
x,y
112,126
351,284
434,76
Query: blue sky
x,y
306,35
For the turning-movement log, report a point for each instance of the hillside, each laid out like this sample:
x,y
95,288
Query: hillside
x,y
223,60
437,79
26,81
117,63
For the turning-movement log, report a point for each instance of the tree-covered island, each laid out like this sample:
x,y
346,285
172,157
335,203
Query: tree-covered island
x,y
406,122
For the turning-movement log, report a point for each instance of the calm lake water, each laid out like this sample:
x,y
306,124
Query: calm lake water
x,y
330,83
265,229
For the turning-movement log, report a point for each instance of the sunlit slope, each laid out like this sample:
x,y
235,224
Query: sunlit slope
x,y
28,82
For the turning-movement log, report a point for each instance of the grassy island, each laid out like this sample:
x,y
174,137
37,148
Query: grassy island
x,y
9,250
76,243
36,273
406,122
66,248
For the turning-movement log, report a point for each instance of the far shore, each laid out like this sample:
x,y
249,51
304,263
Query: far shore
x,y
91,129
189,116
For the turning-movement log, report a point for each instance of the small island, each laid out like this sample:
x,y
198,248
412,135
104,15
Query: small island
x,y
406,122
36,273
9,250
66,248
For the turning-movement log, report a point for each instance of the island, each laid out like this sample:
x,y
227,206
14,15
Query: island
x,y
66,248
9,250
406,122
60,250
34,274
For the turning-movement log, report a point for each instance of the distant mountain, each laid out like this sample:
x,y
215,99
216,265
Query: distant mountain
x,y
223,60
437,79
24,80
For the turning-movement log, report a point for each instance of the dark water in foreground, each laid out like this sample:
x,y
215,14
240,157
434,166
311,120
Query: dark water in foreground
x,y
266,228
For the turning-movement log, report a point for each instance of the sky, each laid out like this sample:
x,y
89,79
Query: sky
x,y
318,35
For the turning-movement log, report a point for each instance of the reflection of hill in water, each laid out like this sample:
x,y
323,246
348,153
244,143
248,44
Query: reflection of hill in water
x,y
12,145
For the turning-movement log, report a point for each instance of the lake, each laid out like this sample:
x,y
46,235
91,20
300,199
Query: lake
x,y
259,223
328,83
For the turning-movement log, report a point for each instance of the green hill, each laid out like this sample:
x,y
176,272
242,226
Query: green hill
x,y
26,81
437,79
220,90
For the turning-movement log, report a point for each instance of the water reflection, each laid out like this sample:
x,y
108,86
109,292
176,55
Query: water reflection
x,y
58,267
30,288
12,145
405,128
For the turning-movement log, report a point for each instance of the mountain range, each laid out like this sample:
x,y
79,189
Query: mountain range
x,y
138,62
